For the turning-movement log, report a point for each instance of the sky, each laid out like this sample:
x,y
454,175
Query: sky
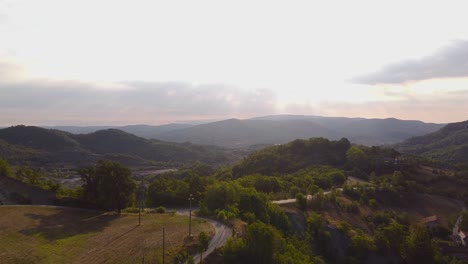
x,y
153,62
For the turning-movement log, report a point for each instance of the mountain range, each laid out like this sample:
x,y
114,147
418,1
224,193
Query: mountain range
x,y
39,146
279,129
185,143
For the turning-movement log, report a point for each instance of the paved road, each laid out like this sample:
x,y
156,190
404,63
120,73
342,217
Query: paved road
x,y
222,233
309,197
219,239
456,227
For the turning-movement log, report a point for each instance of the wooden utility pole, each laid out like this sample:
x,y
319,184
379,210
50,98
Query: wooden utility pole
x,y
140,200
190,215
164,245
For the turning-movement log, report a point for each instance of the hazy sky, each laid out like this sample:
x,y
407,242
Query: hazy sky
x,y
127,62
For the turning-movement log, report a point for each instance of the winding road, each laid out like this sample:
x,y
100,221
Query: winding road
x,y
222,233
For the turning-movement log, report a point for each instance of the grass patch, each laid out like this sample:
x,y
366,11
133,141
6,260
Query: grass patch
x,y
65,235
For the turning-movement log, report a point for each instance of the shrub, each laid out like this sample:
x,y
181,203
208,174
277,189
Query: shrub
x,y
161,210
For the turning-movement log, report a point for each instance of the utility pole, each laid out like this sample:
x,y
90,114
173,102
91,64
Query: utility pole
x,y
140,200
190,215
164,245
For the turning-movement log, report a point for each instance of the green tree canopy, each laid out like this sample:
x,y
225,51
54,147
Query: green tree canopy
x,y
109,184
203,241
4,168
419,248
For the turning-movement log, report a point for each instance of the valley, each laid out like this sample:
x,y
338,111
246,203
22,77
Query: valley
x,y
365,203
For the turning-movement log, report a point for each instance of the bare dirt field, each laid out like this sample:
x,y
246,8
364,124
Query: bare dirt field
x,y
30,234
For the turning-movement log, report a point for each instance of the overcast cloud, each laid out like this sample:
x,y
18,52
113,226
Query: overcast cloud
x,y
44,101
66,102
448,62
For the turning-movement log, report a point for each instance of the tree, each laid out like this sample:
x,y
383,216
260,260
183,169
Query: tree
x,y
235,250
301,201
337,177
28,175
257,203
222,194
419,248
278,218
390,237
90,182
5,170
109,184
356,158
203,242
261,243
360,246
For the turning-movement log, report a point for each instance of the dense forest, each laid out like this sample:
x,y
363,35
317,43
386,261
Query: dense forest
x,y
449,144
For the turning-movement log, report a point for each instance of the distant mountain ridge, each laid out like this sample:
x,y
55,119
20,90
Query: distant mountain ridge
x,y
244,133
36,145
146,131
449,144
280,129
284,128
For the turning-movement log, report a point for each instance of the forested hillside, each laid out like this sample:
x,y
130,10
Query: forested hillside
x,y
273,130
276,129
38,146
302,154
449,144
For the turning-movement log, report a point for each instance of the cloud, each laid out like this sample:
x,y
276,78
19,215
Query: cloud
x,y
44,101
448,62
442,107
9,71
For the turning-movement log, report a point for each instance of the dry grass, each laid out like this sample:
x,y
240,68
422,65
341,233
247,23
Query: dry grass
x,y
335,215
421,205
417,206
353,180
66,235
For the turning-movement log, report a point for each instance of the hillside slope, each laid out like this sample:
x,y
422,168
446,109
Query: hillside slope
x,y
449,144
281,129
145,131
28,145
243,133
291,157
365,131
276,129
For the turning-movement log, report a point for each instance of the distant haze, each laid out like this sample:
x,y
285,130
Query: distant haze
x,y
157,62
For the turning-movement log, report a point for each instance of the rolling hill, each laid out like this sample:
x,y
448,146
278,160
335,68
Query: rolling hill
x,y
276,129
449,144
39,146
281,129
146,131
296,155
243,133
